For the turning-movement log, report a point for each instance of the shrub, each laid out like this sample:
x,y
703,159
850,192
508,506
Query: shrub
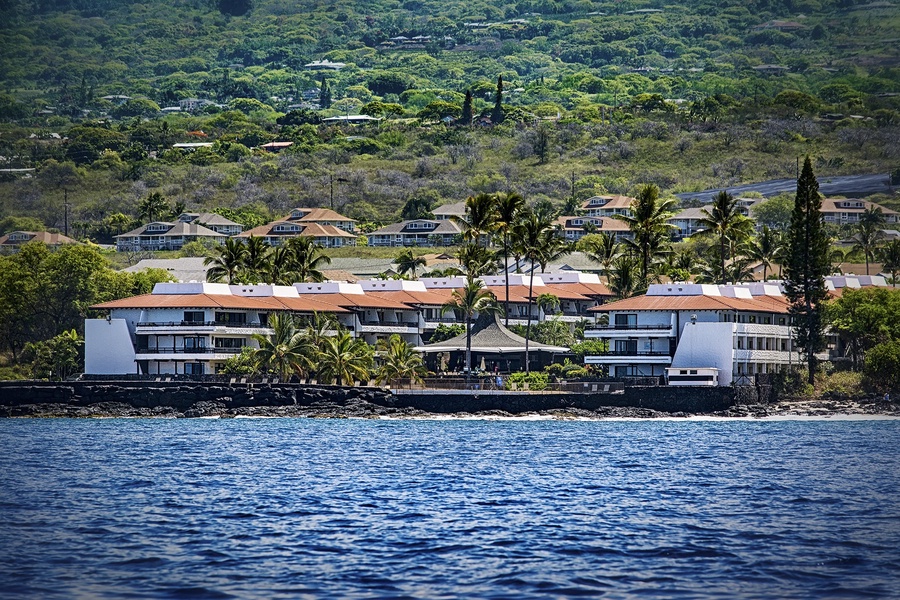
x,y
536,380
882,367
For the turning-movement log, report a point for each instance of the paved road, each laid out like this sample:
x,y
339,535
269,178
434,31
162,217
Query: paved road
x,y
852,186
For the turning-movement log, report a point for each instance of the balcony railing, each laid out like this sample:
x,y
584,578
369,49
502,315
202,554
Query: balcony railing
x,y
200,324
631,353
174,350
629,328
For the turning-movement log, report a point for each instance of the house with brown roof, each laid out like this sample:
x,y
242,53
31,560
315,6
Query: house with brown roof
x,y
573,228
843,211
417,232
607,206
330,229
213,221
160,235
12,241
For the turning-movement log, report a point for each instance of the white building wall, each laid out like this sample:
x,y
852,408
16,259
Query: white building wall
x,y
107,347
706,345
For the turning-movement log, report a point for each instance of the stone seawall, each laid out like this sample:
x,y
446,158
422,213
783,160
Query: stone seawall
x,y
692,400
180,398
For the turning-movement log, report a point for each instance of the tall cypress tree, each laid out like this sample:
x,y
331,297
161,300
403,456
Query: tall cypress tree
x,y
806,266
324,94
497,113
467,109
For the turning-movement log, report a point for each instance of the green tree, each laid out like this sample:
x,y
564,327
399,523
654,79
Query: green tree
x,y
398,360
601,248
889,255
480,219
245,363
806,266
467,111
868,233
774,213
497,112
509,207
324,94
476,260
623,277
864,318
227,262
766,248
256,263
725,223
534,235
882,369
307,258
648,223
286,351
407,262
472,299
344,359
154,207
57,358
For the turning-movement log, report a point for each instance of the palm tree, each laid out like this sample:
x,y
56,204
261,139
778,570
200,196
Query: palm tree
x,y
890,259
476,260
399,361
622,280
649,226
343,358
724,222
535,236
470,300
153,206
480,218
408,263
287,350
118,220
308,257
602,248
228,264
509,206
256,260
867,235
766,248
280,262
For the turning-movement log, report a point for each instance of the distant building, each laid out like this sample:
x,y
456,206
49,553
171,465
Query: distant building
x,y
13,240
417,232
330,229
450,211
843,211
325,65
607,206
573,228
213,221
160,235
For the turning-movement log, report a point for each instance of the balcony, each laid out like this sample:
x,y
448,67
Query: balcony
x,y
621,357
644,331
185,327
198,324
160,350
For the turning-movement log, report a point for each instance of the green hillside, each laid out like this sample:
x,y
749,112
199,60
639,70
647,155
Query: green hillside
x,y
597,96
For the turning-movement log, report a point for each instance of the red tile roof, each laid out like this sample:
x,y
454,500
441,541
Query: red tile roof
x,y
772,304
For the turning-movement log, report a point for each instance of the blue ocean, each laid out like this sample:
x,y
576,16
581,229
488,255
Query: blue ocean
x,y
303,508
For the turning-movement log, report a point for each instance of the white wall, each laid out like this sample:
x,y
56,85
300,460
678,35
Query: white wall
x,y
706,345
107,347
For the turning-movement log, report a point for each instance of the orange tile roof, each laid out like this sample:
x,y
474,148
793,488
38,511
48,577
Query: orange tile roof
x,y
411,298
772,304
584,289
359,301
320,214
302,304
309,230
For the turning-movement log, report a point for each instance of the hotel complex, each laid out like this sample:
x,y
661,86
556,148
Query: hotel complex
x,y
734,331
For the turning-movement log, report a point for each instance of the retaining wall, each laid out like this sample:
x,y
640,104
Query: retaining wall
x,y
182,395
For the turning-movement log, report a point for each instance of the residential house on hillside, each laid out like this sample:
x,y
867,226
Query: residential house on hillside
x,y
14,239
417,232
573,228
848,211
330,229
450,211
687,222
607,206
213,221
160,235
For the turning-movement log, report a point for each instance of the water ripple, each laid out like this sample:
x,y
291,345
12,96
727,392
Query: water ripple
x,y
288,508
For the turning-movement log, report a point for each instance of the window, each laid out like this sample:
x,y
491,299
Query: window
x,y
193,368
230,318
194,343
625,321
229,342
626,346
194,316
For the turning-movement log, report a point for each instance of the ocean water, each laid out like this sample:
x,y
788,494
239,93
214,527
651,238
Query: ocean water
x,y
299,508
